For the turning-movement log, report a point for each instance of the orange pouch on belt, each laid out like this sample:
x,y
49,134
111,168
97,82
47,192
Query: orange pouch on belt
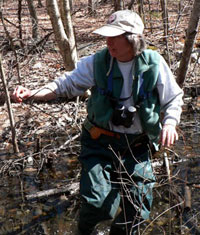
x,y
95,133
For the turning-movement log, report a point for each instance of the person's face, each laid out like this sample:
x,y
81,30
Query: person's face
x,y
120,48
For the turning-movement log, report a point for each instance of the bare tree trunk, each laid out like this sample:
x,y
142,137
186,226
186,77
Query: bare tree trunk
x,y
60,35
92,6
140,7
40,3
141,10
189,42
68,26
118,5
165,16
34,19
10,113
20,21
71,5
165,26
150,16
131,4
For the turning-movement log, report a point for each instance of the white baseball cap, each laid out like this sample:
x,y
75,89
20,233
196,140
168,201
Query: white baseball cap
x,y
121,22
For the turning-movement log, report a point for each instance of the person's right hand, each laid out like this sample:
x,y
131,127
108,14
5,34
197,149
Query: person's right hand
x,y
20,93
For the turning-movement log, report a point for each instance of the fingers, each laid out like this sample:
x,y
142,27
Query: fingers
x,y
169,135
26,94
15,95
20,93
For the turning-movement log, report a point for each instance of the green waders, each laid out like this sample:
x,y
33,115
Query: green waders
x,y
114,175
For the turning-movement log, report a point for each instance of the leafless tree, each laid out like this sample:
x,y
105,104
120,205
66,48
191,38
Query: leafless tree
x,y
189,42
141,7
130,5
165,26
40,3
34,19
118,5
64,34
71,4
92,4
20,20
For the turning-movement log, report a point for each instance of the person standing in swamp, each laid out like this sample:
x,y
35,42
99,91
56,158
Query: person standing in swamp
x,y
130,87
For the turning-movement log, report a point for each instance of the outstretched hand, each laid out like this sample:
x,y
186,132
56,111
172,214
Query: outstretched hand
x,y
169,135
20,93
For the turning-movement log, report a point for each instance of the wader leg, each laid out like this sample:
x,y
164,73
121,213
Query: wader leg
x,y
88,218
100,195
126,223
136,199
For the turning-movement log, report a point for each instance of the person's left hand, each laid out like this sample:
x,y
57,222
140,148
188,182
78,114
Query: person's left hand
x,y
168,135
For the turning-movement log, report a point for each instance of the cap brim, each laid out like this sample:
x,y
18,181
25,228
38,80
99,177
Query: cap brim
x,y
108,31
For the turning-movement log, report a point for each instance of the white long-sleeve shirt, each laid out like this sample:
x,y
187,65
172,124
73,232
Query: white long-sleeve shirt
x,y
76,82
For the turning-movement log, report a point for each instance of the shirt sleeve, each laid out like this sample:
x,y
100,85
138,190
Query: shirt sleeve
x,y
170,95
76,82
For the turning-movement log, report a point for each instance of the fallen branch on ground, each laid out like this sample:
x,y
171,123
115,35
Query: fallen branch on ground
x,y
71,189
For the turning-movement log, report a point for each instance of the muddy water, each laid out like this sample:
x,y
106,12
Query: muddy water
x,y
44,216
58,214
185,174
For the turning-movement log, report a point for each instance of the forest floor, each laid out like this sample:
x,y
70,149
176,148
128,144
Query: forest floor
x,y
48,133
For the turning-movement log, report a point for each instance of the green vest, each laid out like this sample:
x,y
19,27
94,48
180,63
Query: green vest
x,y
146,66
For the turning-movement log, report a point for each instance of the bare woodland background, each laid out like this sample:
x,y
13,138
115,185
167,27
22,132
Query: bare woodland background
x,y
29,26
39,40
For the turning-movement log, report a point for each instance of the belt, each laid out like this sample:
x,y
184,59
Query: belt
x,y
95,131
138,141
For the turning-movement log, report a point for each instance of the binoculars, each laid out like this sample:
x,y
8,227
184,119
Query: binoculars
x,y
123,116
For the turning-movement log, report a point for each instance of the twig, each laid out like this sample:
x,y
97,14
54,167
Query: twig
x,y
68,141
179,204
11,117
170,184
10,22
12,45
45,38
187,196
167,166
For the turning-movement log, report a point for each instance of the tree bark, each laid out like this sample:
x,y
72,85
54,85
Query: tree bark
x,y
40,3
118,5
20,20
165,16
131,4
141,11
71,5
34,19
60,34
189,42
164,5
91,6
68,26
